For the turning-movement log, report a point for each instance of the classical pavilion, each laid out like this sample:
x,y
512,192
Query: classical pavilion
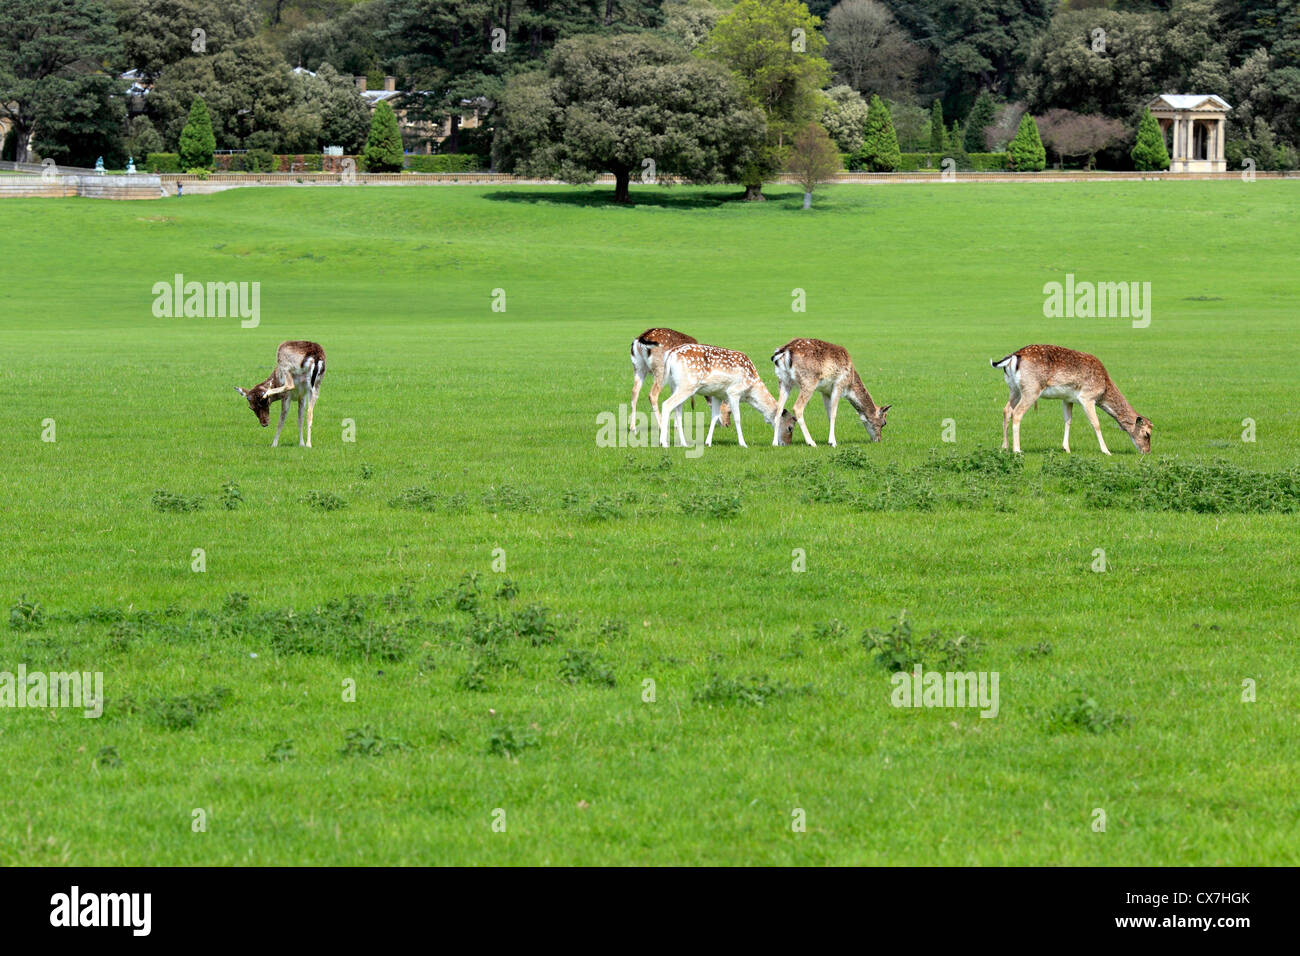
x,y
1193,125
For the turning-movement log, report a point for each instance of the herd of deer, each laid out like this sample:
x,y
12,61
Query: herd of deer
x,y
803,366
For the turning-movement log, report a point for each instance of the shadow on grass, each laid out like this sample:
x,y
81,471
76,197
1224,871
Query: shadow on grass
x,y
676,197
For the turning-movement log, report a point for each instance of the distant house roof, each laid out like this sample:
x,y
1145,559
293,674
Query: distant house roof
x,y
1190,101
378,96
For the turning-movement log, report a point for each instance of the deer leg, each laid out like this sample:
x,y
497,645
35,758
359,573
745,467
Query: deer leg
x,y
1006,420
311,410
658,413
780,407
1069,413
726,416
674,404
735,417
715,404
637,379
284,413
300,412
1090,409
832,402
800,404
1024,401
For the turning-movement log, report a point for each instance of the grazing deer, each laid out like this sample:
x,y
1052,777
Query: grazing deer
x,y
811,365
648,359
717,374
299,367
1049,371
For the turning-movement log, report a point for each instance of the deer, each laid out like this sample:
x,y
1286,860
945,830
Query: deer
x,y
1050,371
806,366
299,368
648,359
717,374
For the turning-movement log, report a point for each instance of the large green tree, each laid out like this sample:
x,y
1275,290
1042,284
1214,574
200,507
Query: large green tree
x,y
973,44
197,141
246,87
879,152
773,48
1149,152
48,49
383,152
327,110
1026,152
625,105
980,118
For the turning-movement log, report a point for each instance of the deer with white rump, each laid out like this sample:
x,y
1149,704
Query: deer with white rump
x,y
720,375
299,368
1050,371
805,366
648,350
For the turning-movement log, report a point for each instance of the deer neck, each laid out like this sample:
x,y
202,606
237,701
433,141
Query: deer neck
x,y
859,397
1114,404
762,399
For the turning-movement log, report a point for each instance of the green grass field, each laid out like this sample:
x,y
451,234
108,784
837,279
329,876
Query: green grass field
x,y
372,561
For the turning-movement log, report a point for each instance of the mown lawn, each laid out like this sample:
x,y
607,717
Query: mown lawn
x,y
375,561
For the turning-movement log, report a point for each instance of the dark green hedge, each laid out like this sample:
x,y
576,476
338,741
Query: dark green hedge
x,y
446,163
163,163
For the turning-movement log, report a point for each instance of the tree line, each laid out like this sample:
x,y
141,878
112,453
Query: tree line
x,y
733,85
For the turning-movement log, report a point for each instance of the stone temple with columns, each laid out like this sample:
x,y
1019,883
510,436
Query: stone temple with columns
x,y
1193,125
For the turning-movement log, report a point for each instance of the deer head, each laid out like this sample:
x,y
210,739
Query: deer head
x,y
875,422
787,428
258,402
1141,434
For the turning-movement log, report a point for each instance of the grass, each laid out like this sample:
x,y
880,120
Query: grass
x,y
475,608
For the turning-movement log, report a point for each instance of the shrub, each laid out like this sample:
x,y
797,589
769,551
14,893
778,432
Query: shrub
x,y
976,162
367,742
583,667
1149,151
447,163
755,691
383,152
25,616
197,140
879,152
981,117
897,650
1081,713
163,163
1025,153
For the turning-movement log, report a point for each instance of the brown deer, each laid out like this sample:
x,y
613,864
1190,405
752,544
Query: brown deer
x,y
717,374
299,367
1050,371
648,359
806,366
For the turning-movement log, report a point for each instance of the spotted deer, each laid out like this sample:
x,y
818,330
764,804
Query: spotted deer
x,y
718,375
648,359
806,366
299,368
1050,371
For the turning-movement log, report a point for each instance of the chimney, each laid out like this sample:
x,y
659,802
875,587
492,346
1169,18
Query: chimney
x,y
390,84
361,83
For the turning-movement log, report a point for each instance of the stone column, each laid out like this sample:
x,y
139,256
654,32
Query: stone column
x,y
1220,128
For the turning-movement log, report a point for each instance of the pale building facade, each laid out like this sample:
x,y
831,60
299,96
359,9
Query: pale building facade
x,y
1194,126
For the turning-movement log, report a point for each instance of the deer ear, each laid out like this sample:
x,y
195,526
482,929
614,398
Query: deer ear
x,y
885,409
241,391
